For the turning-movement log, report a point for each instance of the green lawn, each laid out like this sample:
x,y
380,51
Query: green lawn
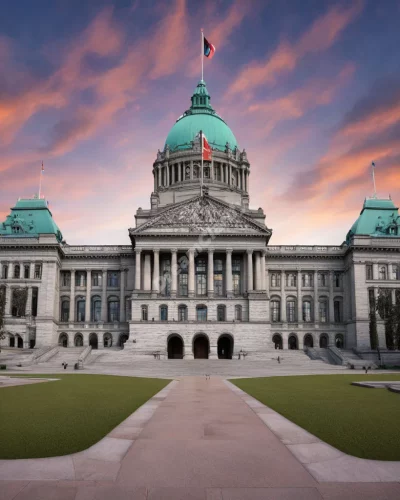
x,y
69,415
359,421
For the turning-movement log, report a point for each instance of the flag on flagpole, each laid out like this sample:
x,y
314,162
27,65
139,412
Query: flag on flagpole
x,y
209,48
42,167
206,150
373,164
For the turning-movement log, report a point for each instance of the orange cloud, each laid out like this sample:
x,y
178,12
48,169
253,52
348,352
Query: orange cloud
x,y
323,34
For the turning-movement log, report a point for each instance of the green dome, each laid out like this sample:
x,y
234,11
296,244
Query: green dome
x,y
200,116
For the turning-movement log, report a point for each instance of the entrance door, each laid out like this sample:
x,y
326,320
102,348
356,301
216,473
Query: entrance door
x,y
175,348
201,347
225,347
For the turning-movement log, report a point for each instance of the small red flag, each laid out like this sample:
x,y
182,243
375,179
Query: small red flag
x,y
206,150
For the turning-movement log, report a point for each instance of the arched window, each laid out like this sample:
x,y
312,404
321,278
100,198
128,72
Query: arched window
x,y
17,271
291,310
201,276
12,341
275,311
221,313
182,313
18,302
80,309
238,313
145,313
187,171
277,341
292,342
63,340
96,309
382,272
337,311
107,340
93,341
307,311
65,310
201,313
78,340
163,313
323,311
113,310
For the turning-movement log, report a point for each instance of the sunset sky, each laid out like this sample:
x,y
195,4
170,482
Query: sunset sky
x,y
310,88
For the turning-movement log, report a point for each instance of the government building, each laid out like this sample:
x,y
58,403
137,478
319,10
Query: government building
x,y
199,278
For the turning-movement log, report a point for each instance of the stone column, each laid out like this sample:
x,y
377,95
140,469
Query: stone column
x,y
191,170
258,271
122,296
11,270
138,269
210,277
147,272
32,270
104,296
229,287
230,174
88,294
266,274
299,300
155,178
249,270
180,171
242,178
174,271
7,307
390,271
72,298
283,298
191,273
156,273
375,272
331,306
316,308
28,311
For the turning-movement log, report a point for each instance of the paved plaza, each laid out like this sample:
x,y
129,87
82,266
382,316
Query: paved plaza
x,y
196,439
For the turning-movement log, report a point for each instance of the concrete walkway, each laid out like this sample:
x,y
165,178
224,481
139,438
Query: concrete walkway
x,y
202,442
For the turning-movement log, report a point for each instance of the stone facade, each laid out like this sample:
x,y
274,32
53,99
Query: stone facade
x,y
199,278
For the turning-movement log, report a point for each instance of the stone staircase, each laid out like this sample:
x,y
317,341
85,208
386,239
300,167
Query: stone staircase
x,y
69,355
14,357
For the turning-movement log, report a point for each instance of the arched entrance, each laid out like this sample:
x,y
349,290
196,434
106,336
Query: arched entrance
x,y
277,341
93,341
20,344
201,347
175,347
12,341
293,344
323,341
63,340
308,340
78,341
122,339
225,347
339,341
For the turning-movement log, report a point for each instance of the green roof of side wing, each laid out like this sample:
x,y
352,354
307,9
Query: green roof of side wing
x,y
200,116
378,218
29,218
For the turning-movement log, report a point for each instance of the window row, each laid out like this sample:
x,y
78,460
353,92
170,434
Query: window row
x,y
308,341
383,273
113,310
307,279
308,315
93,340
22,271
201,313
113,278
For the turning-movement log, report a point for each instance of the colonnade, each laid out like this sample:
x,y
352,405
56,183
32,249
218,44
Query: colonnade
x,y
168,174
150,281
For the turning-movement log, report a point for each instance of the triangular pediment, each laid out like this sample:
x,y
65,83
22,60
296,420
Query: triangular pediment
x,y
199,215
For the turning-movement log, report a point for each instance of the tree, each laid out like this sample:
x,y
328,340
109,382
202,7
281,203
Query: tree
x,y
373,332
390,313
19,299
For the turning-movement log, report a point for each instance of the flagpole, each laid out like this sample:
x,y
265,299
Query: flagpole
x,y
201,173
40,180
202,53
373,178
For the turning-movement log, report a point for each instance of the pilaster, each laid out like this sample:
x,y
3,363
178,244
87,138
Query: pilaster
x,y
174,271
210,277
249,270
229,287
72,298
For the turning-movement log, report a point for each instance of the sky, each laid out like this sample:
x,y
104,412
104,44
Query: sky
x,y
310,88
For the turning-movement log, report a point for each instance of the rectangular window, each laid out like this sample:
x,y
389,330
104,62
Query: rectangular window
x,y
396,272
307,311
238,313
65,311
322,279
217,172
306,279
80,278
236,272
38,271
27,271
183,284
201,284
166,277
182,313
337,279
96,310
145,315
113,278
291,311
275,280
96,278
291,279
371,299
220,313
369,271
35,295
275,311
65,278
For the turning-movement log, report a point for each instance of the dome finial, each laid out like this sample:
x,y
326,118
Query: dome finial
x,y
201,97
